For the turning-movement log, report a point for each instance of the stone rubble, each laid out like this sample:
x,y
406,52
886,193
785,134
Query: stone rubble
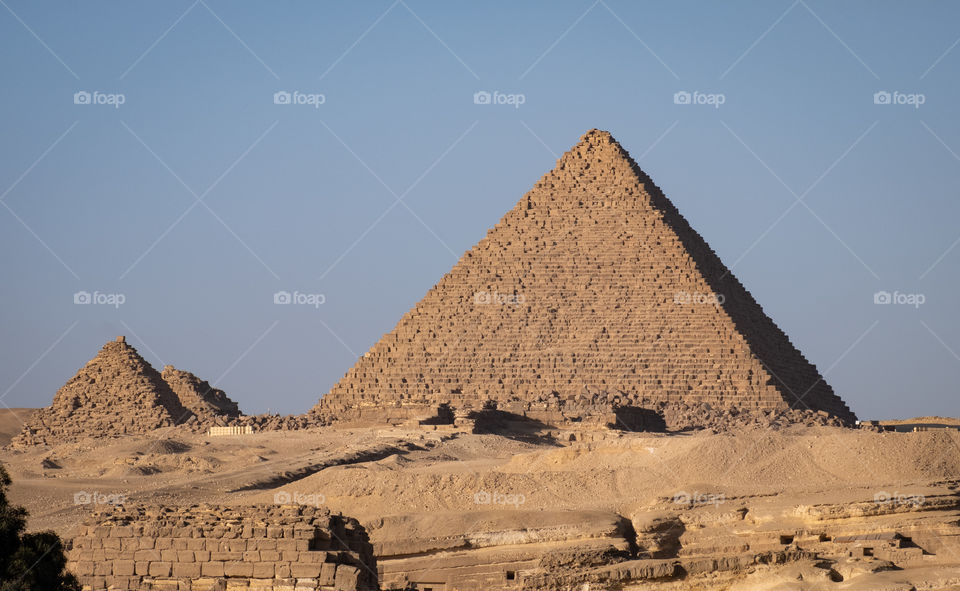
x,y
210,405
208,548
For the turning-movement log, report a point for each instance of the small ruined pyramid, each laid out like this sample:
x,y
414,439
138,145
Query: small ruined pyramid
x,y
592,289
209,404
115,393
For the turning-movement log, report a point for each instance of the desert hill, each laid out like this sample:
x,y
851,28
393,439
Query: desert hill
x,y
12,421
613,509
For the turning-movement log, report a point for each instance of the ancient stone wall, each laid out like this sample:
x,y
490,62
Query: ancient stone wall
x,y
200,548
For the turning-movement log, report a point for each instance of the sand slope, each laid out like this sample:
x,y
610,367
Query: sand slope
x,y
12,421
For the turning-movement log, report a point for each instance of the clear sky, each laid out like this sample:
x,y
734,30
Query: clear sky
x,y
182,197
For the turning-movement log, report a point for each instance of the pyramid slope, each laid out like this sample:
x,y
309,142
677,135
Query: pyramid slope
x,y
593,287
209,404
115,393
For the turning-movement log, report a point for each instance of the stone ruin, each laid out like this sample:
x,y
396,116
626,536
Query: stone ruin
x,y
119,393
222,431
210,405
591,295
214,548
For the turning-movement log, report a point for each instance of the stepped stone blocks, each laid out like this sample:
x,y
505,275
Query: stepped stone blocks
x,y
118,393
115,393
209,404
212,548
592,290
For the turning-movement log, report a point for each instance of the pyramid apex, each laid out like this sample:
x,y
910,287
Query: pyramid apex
x,y
596,134
595,146
597,137
117,344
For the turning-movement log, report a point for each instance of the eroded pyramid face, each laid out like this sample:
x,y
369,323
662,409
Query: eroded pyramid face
x,y
592,287
119,393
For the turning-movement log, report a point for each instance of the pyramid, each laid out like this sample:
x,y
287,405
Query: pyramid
x,y
209,404
592,290
118,393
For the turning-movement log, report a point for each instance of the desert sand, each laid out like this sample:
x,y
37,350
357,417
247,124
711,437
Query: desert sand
x,y
439,503
588,400
12,421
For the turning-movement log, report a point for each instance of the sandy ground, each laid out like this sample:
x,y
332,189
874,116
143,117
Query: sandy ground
x,y
12,421
432,478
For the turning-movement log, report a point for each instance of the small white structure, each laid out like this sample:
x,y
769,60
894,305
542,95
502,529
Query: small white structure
x,y
245,430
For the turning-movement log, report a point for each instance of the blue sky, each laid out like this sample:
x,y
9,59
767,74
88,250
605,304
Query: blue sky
x,y
198,197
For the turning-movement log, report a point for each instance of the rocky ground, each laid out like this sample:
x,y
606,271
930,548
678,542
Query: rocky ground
x,y
746,509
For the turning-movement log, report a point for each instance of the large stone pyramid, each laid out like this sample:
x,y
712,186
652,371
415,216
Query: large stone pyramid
x,y
119,393
592,289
